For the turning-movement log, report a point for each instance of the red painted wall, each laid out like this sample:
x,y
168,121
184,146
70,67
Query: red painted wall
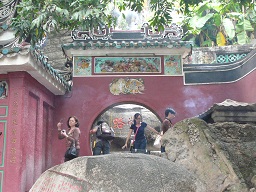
x,y
91,96
28,131
33,112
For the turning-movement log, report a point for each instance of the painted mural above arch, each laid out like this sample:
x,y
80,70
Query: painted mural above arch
x,y
104,65
170,65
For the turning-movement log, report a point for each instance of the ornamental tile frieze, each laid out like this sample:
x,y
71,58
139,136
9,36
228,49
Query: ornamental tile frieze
x,y
92,66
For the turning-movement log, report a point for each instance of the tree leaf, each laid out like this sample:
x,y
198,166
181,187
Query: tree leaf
x,y
244,25
217,19
248,26
229,28
37,21
198,22
242,38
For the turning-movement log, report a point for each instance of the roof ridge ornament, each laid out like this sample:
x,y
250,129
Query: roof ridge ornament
x,y
171,32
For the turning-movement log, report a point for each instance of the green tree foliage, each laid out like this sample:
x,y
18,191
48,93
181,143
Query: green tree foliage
x,y
36,18
221,22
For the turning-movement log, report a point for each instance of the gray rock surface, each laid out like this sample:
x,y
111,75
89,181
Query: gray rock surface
x,y
118,172
54,51
221,154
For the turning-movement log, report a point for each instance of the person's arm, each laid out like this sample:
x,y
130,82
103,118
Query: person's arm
x,y
94,130
60,134
69,138
75,136
127,139
153,130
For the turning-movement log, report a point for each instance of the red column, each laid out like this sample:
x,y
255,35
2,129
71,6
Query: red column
x,y
14,142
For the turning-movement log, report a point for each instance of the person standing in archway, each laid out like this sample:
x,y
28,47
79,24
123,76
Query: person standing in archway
x,y
167,123
138,127
102,144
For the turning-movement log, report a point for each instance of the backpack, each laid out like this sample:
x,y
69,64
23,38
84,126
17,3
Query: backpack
x,y
105,132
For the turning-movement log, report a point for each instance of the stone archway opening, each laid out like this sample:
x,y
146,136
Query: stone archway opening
x,y
120,117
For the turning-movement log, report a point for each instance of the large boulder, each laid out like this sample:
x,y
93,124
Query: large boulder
x,y
118,172
222,155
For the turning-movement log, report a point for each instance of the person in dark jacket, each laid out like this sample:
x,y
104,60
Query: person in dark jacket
x,y
167,123
102,146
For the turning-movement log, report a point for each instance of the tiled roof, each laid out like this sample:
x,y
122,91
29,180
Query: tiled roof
x,y
127,44
43,69
55,73
58,83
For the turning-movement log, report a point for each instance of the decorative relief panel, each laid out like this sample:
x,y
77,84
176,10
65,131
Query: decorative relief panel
x,y
3,89
103,65
127,86
82,66
172,65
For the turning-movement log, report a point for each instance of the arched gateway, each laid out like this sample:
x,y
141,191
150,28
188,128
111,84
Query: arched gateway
x,y
111,67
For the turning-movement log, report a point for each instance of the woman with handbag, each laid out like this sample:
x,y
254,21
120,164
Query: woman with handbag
x,y
72,135
138,127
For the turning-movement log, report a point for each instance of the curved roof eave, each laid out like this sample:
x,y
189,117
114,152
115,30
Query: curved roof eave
x,y
36,65
20,57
